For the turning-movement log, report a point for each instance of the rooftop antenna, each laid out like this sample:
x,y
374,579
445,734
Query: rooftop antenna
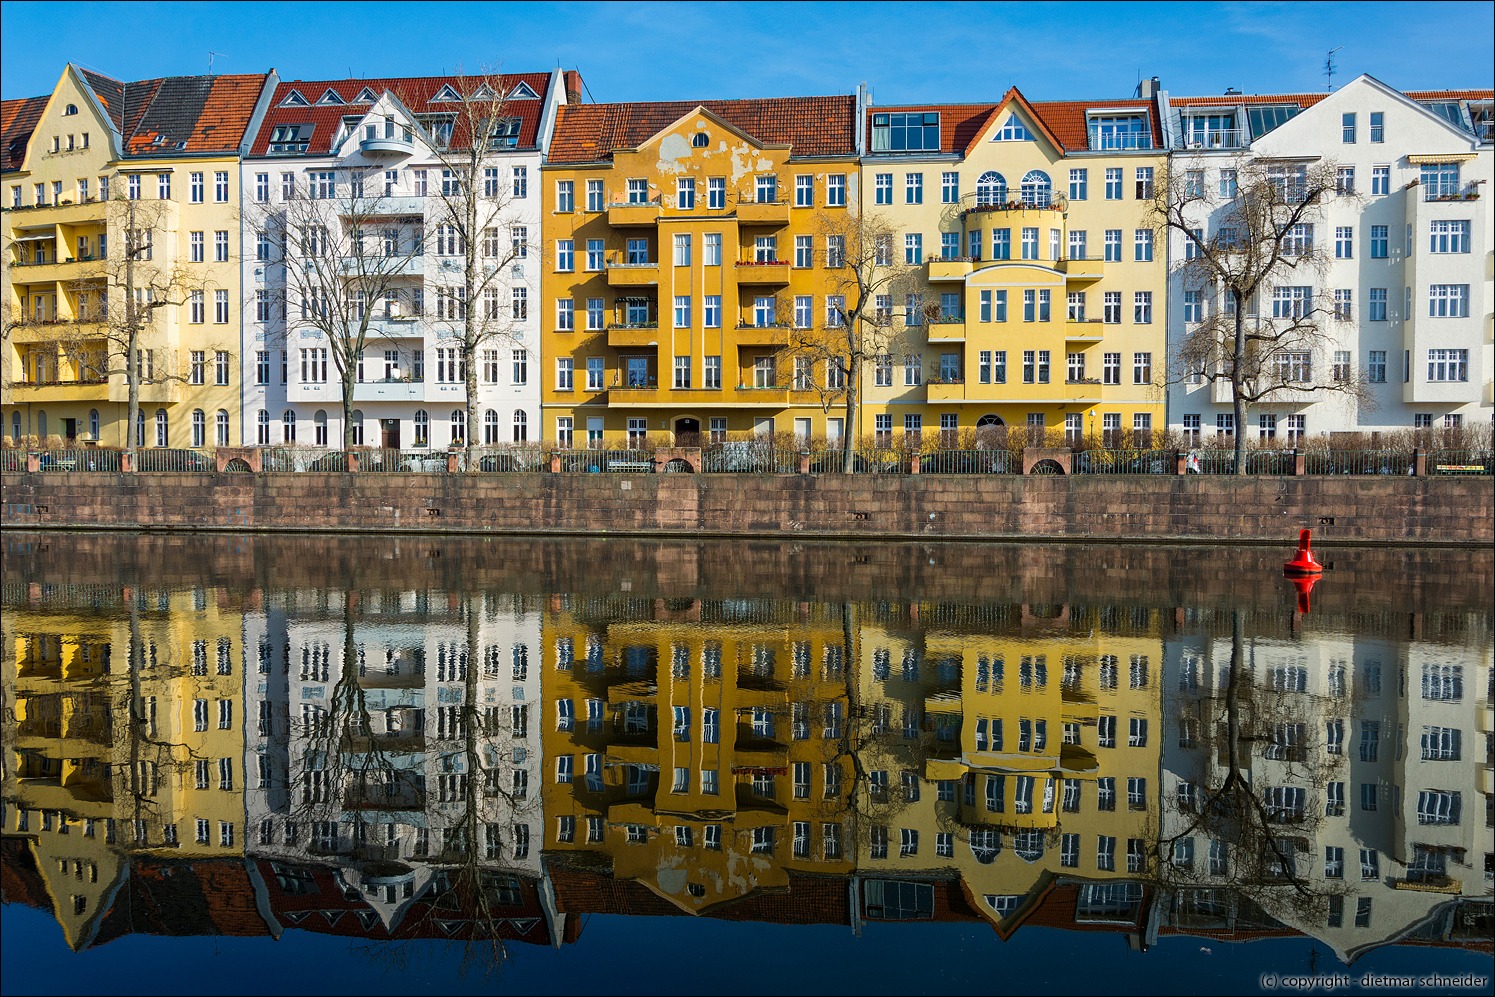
x,y
1329,66
211,56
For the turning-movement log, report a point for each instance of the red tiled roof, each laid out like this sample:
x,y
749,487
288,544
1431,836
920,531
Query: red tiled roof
x,y
810,126
1063,122
18,119
415,92
1304,100
177,114
1451,94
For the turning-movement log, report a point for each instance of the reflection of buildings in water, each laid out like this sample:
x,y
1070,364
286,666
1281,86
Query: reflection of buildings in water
x,y
1015,751
396,740
1358,750
696,747
123,743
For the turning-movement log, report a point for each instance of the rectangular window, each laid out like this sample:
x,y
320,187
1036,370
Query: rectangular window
x,y
565,195
913,248
883,188
1448,237
1142,307
1142,245
1113,245
913,188
1113,183
1079,181
804,190
1380,180
949,187
1344,242
1448,365
1448,301
835,190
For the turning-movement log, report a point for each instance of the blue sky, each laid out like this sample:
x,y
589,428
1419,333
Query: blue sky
x,y
675,51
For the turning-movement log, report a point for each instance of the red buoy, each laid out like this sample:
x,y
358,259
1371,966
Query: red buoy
x,y
1304,563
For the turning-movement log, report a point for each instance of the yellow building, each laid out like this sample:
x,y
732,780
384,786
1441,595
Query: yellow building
x,y
1010,750
105,759
705,756
1040,280
684,245
92,170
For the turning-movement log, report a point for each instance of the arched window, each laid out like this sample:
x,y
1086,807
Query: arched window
x,y
990,422
459,426
199,428
41,426
262,422
986,844
15,428
140,428
358,427
1037,190
319,426
521,426
93,424
422,429
991,188
288,426
162,427
222,428
1029,845
490,426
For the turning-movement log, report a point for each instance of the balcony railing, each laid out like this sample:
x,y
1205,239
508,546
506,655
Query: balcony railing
x,y
1215,138
1111,141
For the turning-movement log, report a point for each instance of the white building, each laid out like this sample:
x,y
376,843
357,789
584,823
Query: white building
x,y
421,755
365,147
1409,253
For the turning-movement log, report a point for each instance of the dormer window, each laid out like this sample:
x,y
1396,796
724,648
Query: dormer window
x,y
1119,132
446,94
365,96
1212,130
906,132
504,133
440,128
1264,117
523,92
1482,118
1449,110
294,99
331,96
1012,131
290,138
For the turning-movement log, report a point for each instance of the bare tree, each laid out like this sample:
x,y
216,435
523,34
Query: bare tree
x,y
856,328
345,246
474,204
1249,235
121,334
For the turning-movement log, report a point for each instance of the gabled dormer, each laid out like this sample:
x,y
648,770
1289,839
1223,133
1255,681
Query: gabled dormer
x,y
366,96
446,95
330,97
523,92
294,99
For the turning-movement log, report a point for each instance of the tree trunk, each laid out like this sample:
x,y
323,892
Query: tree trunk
x,y
132,334
1238,400
848,431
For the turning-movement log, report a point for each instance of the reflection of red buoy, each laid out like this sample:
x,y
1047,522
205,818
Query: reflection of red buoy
x,y
1304,563
1304,584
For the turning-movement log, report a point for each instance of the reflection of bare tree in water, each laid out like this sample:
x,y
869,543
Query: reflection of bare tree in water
x,y
355,768
1258,834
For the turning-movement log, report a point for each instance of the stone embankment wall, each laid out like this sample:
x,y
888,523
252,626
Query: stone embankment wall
x,y
1417,510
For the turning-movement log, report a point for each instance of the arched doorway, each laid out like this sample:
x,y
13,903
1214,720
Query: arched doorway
x,y
991,432
687,432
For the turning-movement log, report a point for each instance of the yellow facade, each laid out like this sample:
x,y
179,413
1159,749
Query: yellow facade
x,y
701,348
1012,238
66,221
677,748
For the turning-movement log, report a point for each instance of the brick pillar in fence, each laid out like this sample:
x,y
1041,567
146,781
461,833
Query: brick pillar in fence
x,y
354,459
804,463
452,460
127,462
1419,463
553,465
33,463
1181,463
1300,463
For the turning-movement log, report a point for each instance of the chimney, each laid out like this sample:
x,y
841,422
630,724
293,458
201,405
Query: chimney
x,y
572,80
1148,89
1232,92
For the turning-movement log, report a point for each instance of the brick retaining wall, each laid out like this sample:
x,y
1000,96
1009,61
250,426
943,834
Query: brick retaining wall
x,y
1093,507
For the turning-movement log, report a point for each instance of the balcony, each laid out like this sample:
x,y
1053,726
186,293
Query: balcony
x,y
742,396
957,268
633,334
379,206
1011,214
44,216
946,389
1108,141
762,272
761,334
632,214
395,327
413,266
1198,139
632,274
389,145
1082,271
947,330
54,271
1088,331
57,392
383,390
775,212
